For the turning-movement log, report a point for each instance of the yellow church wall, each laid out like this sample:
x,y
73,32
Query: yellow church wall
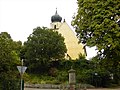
x,y
71,41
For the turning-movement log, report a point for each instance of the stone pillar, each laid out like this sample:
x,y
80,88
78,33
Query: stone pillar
x,y
72,79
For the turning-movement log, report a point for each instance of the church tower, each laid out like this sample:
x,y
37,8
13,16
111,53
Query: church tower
x,y
73,47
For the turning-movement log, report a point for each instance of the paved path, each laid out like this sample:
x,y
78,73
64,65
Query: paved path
x,y
104,89
58,89
38,89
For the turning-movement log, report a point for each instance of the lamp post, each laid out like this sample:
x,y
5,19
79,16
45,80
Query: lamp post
x,y
21,69
96,79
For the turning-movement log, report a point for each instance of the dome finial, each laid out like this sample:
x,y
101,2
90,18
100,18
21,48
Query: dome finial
x,y
56,11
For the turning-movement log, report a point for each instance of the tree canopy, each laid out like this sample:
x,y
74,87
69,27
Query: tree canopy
x,y
97,23
44,45
8,55
9,59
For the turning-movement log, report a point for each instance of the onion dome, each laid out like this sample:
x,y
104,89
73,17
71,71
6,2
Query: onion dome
x,y
56,17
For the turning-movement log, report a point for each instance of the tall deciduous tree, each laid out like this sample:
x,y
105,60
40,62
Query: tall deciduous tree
x,y
44,45
8,55
8,61
97,24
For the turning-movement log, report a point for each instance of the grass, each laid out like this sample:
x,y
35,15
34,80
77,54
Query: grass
x,y
39,79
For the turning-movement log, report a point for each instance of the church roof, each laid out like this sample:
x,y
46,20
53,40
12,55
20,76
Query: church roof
x,y
56,17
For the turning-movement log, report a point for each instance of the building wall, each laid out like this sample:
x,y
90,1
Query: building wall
x,y
71,41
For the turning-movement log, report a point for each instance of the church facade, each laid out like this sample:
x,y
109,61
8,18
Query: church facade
x,y
74,49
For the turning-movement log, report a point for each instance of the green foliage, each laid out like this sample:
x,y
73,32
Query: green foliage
x,y
97,23
10,84
62,77
8,56
42,47
53,71
9,59
87,72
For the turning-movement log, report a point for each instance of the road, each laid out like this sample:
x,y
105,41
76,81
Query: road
x,y
58,89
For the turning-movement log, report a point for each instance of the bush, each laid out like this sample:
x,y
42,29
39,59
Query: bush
x,y
10,84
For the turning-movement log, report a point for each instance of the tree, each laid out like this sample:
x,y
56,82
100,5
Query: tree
x,y
43,45
8,56
97,24
8,62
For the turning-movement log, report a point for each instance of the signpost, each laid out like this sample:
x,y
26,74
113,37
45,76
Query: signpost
x,y
21,69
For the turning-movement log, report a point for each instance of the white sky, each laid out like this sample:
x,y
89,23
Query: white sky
x,y
20,17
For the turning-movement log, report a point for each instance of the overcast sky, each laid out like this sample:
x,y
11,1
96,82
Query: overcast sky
x,y
20,17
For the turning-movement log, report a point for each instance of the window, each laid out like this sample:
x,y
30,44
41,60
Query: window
x,y
54,26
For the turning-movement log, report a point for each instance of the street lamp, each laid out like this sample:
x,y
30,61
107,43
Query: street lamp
x,y
21,69
96,79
